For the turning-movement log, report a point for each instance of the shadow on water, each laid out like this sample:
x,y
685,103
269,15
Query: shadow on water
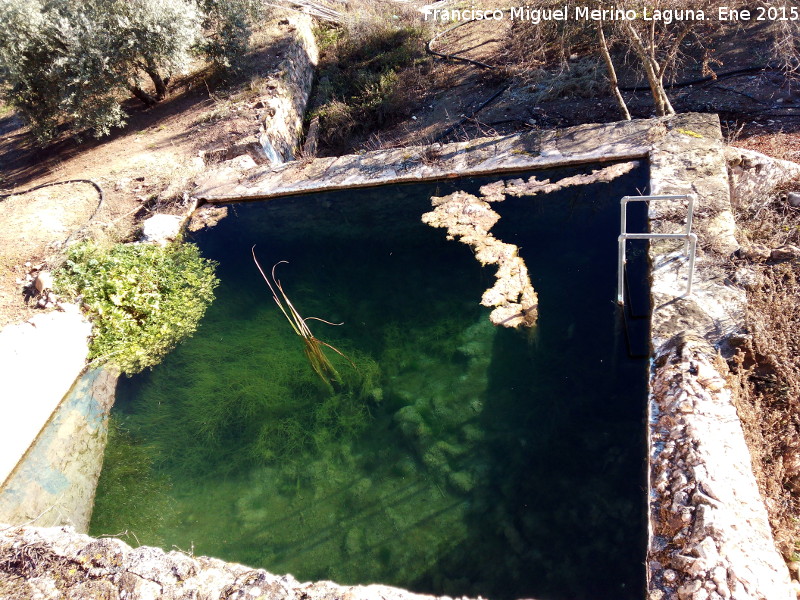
x,y
560,512
458,459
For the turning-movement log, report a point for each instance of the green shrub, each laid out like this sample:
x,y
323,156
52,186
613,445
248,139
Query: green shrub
x,y
143,299
229,25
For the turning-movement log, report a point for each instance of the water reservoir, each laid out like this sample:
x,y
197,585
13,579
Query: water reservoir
x,y
452,456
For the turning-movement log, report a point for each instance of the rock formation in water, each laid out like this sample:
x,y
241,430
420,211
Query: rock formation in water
x,y
469,218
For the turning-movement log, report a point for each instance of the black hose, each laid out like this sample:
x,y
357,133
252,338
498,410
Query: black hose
x,y
44,185
469,61
430,50
94,184
707,78
455,126
635,88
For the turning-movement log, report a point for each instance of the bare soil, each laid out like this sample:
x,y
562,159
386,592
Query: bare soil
x,y
767,367
143,168
447,100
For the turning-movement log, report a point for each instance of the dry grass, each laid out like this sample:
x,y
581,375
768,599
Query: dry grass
x,y
782,145
49,217
767,370
582,78
369,73
532,46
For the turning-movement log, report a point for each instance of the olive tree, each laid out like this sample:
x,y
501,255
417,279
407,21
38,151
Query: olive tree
x,y
228,26
73,62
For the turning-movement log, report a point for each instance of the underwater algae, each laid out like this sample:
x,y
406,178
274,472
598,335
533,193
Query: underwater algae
x,y
455,458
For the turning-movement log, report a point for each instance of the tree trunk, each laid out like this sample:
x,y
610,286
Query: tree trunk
x,y
142,95
653,72
660,99
612,73
158,82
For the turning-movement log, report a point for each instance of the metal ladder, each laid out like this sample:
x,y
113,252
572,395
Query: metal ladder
x,y
690,246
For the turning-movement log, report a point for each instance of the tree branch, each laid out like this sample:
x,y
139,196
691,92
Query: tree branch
x,y
612,73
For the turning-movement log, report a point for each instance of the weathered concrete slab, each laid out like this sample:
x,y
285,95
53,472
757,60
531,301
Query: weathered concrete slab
x,y
754,175
690,159
39,361
585,143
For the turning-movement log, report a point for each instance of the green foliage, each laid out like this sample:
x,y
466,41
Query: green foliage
x,y
230,25
144,299
71,63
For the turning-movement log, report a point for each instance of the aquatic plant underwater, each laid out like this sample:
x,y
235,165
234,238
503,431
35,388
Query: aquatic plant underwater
x,y
312,346
454,458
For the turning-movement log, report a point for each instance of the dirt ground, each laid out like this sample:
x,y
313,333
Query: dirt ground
x,y
144,168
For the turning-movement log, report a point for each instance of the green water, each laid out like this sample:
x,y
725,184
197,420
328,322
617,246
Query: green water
x,y
456,458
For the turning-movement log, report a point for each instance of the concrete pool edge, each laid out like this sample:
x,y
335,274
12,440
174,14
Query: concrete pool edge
x,y
709,532
595,143
708,528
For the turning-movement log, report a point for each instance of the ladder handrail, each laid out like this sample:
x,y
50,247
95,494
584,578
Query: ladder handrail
x,y
690,246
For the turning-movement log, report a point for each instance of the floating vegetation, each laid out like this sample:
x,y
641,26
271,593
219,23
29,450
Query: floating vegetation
x,y
469,218
311,345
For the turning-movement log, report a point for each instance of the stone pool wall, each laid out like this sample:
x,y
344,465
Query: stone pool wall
x,y
55,563
282,99
709,536
709,531
55,482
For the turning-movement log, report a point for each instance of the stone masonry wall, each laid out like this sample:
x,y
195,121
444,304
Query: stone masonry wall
x,y
59,564
709,533
282,123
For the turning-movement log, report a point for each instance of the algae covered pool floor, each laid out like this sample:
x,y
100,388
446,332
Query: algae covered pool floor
x,y
455,458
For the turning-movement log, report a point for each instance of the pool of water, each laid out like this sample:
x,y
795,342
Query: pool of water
x,y
455,457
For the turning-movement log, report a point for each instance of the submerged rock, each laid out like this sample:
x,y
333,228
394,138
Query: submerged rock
x,y
461,481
